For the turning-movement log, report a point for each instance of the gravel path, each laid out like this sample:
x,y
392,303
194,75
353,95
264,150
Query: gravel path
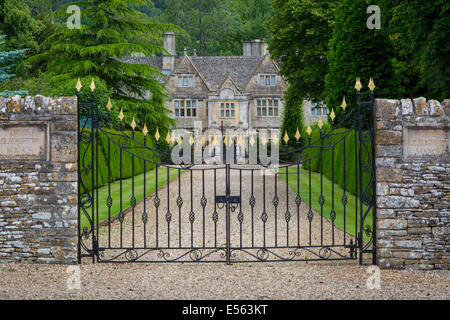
x,y
290,280
285,225
268,280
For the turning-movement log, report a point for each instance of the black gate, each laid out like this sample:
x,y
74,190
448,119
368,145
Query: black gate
x,y
305,210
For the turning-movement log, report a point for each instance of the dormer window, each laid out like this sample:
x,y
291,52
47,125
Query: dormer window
x,y
268,80
185,81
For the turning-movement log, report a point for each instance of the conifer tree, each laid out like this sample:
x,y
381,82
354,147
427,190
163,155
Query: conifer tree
x,y
7,66
110,31
357,51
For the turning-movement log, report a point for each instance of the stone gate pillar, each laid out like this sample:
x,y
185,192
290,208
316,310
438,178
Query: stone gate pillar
x,y
38,179
412,141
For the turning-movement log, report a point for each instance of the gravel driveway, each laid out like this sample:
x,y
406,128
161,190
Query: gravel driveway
x,y
290,280
268,280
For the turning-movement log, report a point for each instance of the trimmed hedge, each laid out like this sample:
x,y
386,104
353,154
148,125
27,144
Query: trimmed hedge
x,y
351,168
114,157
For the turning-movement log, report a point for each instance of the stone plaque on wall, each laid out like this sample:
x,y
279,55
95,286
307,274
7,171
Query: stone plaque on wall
x,y
24,142
425,142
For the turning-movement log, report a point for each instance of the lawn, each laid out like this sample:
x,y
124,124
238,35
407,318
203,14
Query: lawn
x,y
346,223
127,185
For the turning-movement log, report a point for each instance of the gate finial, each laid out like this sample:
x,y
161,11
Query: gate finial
x,y
109,105
286,137
297,135
371,84
121,116
133,124
92,85
358,84
157,135
145,130
79,86
332,114
344,104
309,130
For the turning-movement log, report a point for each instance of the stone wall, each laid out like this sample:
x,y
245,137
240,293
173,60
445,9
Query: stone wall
x,y
38,179
413,183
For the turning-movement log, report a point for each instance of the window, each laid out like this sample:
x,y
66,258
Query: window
x,y
325,111
185,81
227,110
267,80
185,108
267,108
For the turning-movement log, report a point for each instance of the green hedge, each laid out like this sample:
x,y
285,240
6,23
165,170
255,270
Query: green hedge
x,y
351,168
114,157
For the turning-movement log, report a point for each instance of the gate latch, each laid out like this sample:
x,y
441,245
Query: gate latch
x,y
225,199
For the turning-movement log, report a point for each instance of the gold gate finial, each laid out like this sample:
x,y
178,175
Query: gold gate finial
x,y
332,114
92,85
79,86
297,135
121,116
157,135
109,105
344,104
358,84
286,137
133,124
371,84
145,130
309,130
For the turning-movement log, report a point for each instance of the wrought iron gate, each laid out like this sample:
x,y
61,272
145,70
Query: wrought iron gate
x,y
224,212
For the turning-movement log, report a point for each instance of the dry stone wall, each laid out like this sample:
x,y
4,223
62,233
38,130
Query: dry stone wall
x,y
38,179
413,183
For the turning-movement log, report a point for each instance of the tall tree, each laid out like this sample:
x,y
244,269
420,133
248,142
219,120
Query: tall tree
x,y
419,33
211,24
18,24
300,32
8,63
112,30
357,51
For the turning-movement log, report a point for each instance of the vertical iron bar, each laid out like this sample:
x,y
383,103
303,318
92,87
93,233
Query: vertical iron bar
x,y
321,188
276,209
240,205
132,192
310,199
168,208
344,205
215,207
192,211
374,182
253,216
332,195
79,178
92,177
287,205
157,207
120,186
361,222
264,208
298,206
145,194
203,196
228,214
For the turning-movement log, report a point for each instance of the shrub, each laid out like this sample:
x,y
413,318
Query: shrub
x,y
336,141
115,139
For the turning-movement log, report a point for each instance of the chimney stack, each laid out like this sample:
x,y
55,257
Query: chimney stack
x,y
254,48
169,44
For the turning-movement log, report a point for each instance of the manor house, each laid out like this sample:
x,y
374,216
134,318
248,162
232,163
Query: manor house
x,y
239,91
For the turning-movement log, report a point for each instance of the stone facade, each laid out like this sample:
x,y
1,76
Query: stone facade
x,y
213,82
310,117
413,183
38,179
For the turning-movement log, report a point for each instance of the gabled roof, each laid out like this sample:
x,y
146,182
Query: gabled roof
x,y
216,69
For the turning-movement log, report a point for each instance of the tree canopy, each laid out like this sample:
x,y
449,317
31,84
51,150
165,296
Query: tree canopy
x,y
112,29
